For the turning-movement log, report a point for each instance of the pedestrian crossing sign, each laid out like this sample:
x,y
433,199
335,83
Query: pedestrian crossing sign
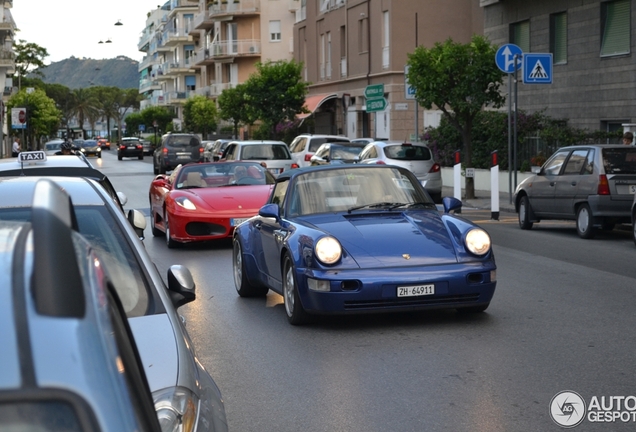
x,y
537,68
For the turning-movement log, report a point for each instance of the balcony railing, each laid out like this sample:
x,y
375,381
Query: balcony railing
x,y
230,7
239,47
178,96
7,58
148,84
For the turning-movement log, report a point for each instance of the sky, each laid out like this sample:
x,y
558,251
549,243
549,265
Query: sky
x,y
74,27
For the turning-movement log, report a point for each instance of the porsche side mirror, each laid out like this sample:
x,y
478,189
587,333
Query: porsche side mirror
x,y
181,286
270,211
451,204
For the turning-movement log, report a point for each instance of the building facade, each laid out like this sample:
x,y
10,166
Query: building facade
x,y
349,45
594,70
7,67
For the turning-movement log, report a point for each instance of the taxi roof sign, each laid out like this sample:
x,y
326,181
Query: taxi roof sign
x,y
32,156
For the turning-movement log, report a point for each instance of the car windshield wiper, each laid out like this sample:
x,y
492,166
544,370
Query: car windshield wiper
x,y
415,204
377,205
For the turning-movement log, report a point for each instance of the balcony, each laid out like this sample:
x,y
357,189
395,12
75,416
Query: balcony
x,y
231,8
148,85
174,37
203,20
178,97
7,58
203,57
217,89
293,5
236,48
146,62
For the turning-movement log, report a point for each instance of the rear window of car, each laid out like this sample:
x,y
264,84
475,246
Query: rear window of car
x,y
183,141
620,160
314,143
408,153
265,152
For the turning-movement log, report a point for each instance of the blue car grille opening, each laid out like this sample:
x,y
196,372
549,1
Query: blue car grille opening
x,y
204,229
441,300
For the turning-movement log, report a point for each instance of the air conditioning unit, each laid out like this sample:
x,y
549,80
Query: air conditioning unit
x,y
252,49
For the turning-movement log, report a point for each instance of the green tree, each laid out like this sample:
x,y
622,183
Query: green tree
x,y
114,103
460,80
200,115
83,105
43,117
233,107
133,121
29,57
276,93
160,116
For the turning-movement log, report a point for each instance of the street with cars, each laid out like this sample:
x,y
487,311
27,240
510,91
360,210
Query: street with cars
x,y
560,319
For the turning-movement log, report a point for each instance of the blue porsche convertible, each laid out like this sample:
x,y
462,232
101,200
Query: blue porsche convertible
x,y
361,238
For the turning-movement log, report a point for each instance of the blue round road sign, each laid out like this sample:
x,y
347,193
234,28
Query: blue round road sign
x,y
505,58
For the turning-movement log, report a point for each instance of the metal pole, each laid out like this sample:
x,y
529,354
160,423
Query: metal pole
x,y
417,126
510,138
515,125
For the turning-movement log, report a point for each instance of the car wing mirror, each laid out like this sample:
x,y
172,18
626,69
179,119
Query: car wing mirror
x,y
270,211
138,221
451,204
181,286
123,199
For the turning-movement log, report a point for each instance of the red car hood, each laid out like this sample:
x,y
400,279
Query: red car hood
x,y
230,197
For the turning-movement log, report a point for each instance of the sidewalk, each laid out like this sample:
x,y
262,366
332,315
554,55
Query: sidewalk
x,y
482,200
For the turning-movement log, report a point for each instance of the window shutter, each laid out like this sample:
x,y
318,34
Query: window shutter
x,y
615,38
560,29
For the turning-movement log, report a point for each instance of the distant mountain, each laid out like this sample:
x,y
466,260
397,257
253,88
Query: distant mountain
x,y
75,73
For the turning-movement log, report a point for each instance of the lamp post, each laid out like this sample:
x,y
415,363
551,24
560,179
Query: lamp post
x,y
29,90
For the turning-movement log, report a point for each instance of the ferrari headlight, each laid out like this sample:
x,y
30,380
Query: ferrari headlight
x,y
477,241
176,409
185,203
328,250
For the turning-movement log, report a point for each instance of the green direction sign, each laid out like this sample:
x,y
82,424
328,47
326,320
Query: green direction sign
x,y
375,105
374,91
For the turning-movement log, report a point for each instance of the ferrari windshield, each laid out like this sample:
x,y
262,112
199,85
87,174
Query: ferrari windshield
x,y
221,174
356,189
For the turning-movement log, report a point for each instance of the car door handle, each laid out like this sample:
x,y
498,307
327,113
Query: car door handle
x,y
257,225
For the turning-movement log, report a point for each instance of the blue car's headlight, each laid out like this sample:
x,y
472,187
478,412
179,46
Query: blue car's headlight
x,y
328,250
185,203
176,409
477,241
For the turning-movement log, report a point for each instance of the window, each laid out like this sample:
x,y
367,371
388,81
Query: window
x,y
558,37
520,35
274,31
322,56
363,35
385,40
328,56
615,33
343,51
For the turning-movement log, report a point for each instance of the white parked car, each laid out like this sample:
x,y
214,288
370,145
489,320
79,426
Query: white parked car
x,y
273,154
416,157
304,146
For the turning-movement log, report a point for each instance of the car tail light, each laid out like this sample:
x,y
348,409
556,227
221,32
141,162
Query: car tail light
x,y
165,151
122,147
295,165
201,150
308,157
435,168
603,185
140,146
380,162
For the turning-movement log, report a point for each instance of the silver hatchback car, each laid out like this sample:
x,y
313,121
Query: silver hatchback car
x,y
591,184
185,396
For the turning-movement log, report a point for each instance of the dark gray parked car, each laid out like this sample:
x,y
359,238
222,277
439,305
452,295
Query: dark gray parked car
x,y
591,184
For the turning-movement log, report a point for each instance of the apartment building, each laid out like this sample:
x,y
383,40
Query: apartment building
x,y
593,82
7,67
348,45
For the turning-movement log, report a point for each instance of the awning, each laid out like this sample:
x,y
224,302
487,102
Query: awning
x,y
312,103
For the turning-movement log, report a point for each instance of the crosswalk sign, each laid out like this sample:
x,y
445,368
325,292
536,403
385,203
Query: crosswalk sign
x,y
537,68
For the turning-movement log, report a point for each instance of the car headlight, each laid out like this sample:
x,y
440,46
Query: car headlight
x,y
185,203
83,150
477,241
176,409
328,250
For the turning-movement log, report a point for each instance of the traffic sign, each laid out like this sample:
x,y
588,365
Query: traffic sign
x,y
374,91
537,68
22,116
18,118
409,91
505,58
375,105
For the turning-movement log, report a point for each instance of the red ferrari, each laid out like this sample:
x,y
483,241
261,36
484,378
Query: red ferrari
x,y
205,201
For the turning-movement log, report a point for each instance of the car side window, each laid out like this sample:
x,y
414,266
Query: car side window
x,y
278,194
229,154
555,163
298,145
576,163
368,153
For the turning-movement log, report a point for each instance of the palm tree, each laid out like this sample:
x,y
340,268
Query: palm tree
x,y
83,105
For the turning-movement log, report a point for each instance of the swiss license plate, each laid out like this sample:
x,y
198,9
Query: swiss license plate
x,y
237,221
275,170
632,189
415,290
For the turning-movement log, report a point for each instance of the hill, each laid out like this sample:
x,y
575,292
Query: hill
x,y
75,73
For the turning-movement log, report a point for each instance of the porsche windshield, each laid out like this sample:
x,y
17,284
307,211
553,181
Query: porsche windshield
x,y
356,189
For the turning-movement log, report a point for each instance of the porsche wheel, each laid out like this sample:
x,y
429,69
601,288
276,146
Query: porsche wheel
x,y
169,241
524,214
293,307
243,286
585,222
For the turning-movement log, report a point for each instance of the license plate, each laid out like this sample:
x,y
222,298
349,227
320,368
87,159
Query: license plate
x,y
132,147
632,189
237,221
275,170
183,156
415,290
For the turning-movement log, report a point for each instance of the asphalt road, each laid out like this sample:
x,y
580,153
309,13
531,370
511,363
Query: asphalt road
x,y
561,319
